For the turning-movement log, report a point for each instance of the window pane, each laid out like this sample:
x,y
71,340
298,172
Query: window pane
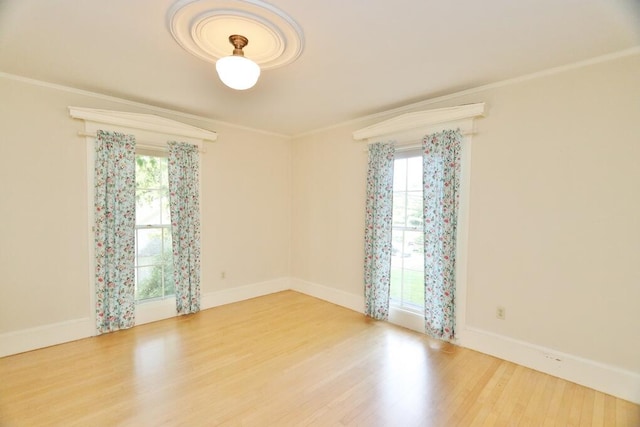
x,y
169,283
415,241
400,175
396,284
413,251
148,208
399,208
414,209
163,163
414,173
149,282
413,289
397,243
150,241
153,245
167,248
165,216
407,260
148,171
396,264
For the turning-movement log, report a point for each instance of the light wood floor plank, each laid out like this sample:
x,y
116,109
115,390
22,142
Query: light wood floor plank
x,y
629,412
598,410
536,402
286,360
586,412
575,412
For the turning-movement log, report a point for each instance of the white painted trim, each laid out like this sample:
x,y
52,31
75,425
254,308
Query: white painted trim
x,y
152,311
407,319
598,376
44,336
145,122
241,293
332,295
15,342
422,122
91,220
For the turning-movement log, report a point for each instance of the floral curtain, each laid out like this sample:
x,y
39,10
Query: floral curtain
x,y
441,182
114,231
378,222
185,224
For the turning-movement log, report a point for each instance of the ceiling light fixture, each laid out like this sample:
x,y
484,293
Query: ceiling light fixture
x,y
236,71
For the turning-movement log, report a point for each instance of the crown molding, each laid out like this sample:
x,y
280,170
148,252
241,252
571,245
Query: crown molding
x,y
476,90
136,104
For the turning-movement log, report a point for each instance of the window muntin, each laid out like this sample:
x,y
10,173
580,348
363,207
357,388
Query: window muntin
x,y
407,257
153,263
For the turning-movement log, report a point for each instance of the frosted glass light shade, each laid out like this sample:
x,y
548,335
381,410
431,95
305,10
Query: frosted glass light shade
x,y
237,72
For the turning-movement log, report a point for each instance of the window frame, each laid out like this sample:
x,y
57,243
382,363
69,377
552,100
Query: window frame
x,y
407,131
151,132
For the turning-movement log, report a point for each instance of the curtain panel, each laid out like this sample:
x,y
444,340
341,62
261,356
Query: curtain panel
x,y
114,214
441,182
378,223
184,164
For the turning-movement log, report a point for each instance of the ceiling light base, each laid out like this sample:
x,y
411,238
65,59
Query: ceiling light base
x,y
236,71
202,28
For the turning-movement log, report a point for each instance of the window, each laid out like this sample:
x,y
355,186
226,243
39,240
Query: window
x,y
153,264
407,256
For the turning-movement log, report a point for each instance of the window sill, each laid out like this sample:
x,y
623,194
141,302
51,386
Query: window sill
x,y
154,310
407,319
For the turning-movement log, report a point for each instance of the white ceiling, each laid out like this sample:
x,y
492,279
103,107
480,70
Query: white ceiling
x,y
360,56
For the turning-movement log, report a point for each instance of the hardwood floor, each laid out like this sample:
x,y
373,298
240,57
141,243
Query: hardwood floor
x,y
286,360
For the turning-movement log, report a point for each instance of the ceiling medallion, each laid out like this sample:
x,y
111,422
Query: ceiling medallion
x,y
203,27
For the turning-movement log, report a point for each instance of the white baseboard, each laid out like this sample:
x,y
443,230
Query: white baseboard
x,y
332,295
165,309
598,376
58,333
45,336
241,293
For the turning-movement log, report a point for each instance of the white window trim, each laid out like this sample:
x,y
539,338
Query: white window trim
x,y
411,127
407,131
152,132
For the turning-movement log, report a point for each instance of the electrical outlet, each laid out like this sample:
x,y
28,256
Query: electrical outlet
x,y
500,313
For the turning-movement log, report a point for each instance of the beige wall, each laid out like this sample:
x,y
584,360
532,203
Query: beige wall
x,y
44,242
329,173
554,221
